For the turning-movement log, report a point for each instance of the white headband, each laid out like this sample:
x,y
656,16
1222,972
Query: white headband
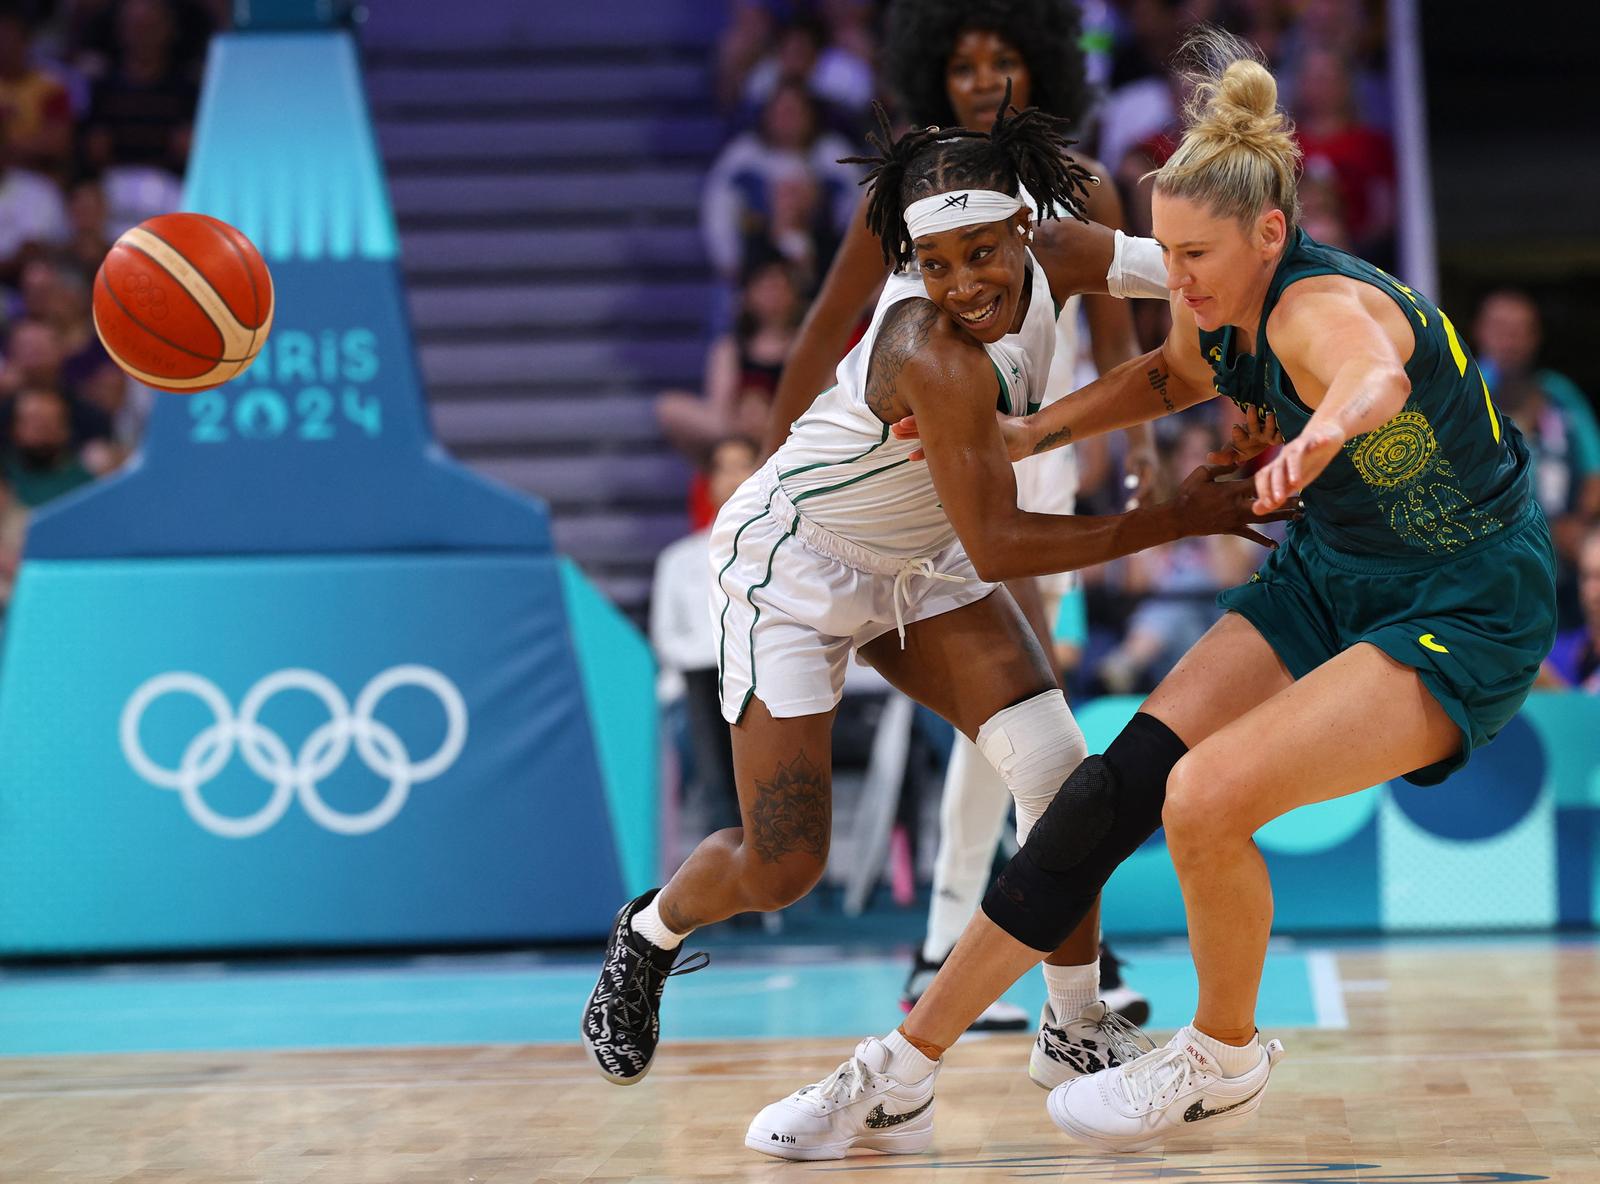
x,y
959,207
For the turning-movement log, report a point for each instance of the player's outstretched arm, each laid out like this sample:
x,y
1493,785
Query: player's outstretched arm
x,y
949,386
1169,378
1147,387
1346,363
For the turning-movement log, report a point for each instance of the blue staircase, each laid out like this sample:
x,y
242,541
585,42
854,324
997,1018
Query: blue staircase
x,y
546,166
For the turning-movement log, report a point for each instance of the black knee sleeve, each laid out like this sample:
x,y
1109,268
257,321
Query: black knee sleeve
x,y
1104,810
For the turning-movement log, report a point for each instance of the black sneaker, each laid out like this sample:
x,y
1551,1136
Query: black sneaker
x,y
1116,994
622,1020
999,1016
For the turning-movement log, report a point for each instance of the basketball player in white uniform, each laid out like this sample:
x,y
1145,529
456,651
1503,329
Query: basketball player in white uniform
x,y
841,542
950,63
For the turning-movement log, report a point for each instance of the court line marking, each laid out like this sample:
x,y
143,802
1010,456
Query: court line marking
x,y
1364,986
1327,990
590,1076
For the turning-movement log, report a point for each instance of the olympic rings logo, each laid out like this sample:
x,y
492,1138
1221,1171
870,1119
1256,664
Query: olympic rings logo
x,y
269,758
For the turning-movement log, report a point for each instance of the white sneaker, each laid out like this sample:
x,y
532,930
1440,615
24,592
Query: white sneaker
x,y
1166,1092
1097,1039
857,1105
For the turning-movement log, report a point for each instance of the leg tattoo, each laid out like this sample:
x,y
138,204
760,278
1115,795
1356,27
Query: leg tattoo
x,y
790,812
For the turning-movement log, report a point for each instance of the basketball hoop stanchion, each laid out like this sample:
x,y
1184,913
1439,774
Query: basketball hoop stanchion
x,y
300,528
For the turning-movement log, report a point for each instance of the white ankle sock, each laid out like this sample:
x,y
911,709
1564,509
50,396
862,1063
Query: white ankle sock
x,y
647,923
1072,988
1232,1059
906,1062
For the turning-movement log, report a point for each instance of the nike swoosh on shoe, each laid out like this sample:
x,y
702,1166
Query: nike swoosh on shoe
x,y
877,1120
1197,1112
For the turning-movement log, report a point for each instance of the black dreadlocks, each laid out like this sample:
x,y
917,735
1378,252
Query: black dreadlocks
x,y
1027,148
921,34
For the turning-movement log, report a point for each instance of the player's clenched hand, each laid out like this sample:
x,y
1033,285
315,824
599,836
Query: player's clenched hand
x,y
1208,502
1251,438
1300,463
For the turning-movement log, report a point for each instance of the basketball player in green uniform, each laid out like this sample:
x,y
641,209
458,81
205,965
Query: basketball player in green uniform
x,y
1399,628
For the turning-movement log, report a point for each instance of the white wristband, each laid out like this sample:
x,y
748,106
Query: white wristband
x,y
1137,269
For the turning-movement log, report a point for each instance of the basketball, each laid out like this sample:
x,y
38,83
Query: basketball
x,y
183,302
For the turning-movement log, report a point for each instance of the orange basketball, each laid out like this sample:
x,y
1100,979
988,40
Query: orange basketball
x,y
183,302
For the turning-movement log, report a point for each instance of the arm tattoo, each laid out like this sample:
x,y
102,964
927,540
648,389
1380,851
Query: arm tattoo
x,y
1051,439
791,812
904,331
1158,383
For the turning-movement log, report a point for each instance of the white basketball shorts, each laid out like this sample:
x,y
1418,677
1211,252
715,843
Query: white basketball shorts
x,y
789,601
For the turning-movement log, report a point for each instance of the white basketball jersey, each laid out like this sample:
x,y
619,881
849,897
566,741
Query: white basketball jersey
x,y
842,469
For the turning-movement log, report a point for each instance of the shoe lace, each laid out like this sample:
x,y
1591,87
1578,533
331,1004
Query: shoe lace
x,y
844,1083
1126,1042
1165,1071
636,1001
1124,1038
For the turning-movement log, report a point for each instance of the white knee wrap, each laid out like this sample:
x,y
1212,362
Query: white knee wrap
x,y
1034,745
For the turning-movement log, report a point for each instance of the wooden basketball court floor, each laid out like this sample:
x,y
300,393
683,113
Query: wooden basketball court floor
x,y
1459,1062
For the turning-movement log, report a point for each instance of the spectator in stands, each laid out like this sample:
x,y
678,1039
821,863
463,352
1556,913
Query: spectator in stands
x,y
680,631
88,222
1507,334
1566,474
1263,23
35,359
94,33
106,420
1353,32
58,293
32,213
142,110
1575,661
742,368
1145,97
1322,213
836,71
751,27
32,295
1356,158
790,151
34,106
1557,422
40,463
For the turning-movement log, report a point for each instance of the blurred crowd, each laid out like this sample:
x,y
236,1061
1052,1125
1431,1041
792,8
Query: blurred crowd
x,y
795,80
97,101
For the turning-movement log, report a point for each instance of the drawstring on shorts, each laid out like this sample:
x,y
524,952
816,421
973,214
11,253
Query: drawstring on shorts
x,y
922,566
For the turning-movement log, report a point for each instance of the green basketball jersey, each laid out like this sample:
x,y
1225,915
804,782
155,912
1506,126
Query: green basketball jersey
x,y
1446,470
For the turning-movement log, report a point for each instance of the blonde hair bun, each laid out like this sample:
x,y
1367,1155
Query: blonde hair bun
x,y
1238,154
1247,86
